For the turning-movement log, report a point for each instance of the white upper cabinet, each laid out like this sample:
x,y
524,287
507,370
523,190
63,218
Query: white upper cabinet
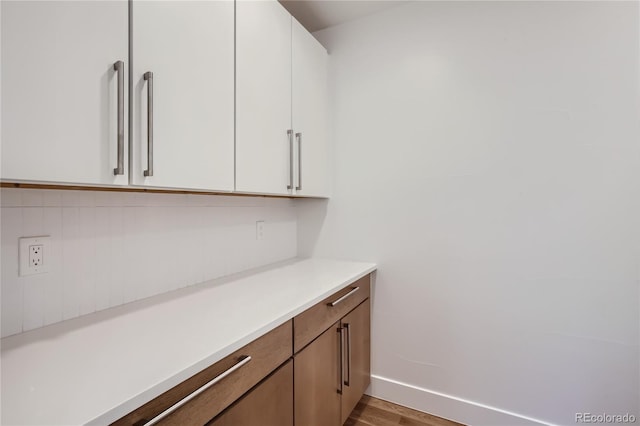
x,y
263,98
183,110
60,91
309,86
281,101
224,96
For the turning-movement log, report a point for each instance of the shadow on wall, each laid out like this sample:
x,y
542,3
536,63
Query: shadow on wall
x,y
311,216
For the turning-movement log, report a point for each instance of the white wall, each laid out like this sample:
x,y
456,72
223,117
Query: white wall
x,y
110,248
488,158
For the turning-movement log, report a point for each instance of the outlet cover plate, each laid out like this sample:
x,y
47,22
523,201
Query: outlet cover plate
x,y
26,268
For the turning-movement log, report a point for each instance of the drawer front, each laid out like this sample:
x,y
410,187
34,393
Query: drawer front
x,y
266,352
268,404
311,323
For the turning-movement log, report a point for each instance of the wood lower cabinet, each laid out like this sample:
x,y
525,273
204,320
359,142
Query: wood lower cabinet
x,y
317,380
200,398
332,372
356,378
310,371
268,404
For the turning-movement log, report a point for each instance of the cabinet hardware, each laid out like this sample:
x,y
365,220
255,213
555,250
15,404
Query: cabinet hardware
x,y
242,361
148,76
347,328
340,381
119,69
335,302
290,135
299,137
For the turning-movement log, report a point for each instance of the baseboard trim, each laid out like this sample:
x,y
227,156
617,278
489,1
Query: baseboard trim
x,y
447,406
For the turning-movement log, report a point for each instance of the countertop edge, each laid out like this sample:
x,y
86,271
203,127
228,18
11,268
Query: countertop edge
x,y
126,407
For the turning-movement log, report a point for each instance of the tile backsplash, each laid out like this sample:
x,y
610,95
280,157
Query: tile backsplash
x,y
111,248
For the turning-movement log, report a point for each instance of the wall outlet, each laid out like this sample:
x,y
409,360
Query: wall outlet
x,y
33,256
260,230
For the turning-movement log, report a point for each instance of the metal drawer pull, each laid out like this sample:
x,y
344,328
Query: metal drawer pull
x,y
290,135
148,76
119,69
299,137
348,329
334,303
243,360
341,360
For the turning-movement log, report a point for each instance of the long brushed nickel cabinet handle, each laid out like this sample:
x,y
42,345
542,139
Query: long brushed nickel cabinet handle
x,y
148,76
299,137
119,69
290,135
341,354
347,328
335,302
243,361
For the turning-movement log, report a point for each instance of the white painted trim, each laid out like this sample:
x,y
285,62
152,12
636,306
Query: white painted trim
x,y
447,406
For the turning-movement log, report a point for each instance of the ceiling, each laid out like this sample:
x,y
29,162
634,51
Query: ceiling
x,y
316,15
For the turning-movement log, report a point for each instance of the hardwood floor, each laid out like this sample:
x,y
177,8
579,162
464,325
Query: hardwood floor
x,y
376,412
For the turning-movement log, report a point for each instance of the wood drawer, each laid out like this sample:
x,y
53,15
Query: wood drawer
x,y
266,352
314,321
268,404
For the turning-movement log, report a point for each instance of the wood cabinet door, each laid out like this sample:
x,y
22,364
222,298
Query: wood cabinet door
x,y
60,91
309,112
263,97
189,48
268,404
357,356
317,381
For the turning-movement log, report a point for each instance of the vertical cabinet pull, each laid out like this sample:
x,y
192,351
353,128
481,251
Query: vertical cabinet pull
x,y
299,138
119,69
148,76
340,381
290,136
347,328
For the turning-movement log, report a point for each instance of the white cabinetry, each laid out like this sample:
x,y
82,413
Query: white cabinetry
x,y
309,121
60,91
187,47
65,106
263,97
281,141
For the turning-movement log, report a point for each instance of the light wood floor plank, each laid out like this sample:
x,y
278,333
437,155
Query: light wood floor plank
x,y
377,412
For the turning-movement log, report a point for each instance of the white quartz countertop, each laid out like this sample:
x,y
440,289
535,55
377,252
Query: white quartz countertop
x,y
96,368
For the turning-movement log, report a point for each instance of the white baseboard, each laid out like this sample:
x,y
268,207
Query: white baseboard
x,y
446,406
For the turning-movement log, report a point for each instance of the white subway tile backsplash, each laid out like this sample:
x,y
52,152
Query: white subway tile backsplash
x,y
12,292
117,250
10,197
53,289
51,198
77,198
71,250
108,198
32,198
102,258
34,294
109,248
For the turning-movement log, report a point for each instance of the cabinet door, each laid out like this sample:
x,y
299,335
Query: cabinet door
x,y
263,97
269,404
60,90
188,46
357,357
309,85
317,381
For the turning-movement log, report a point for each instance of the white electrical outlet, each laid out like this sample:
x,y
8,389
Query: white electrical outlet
x,y
33,256
260,230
